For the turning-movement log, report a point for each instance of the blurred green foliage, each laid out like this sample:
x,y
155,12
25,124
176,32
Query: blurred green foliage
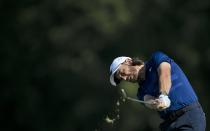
x,y
55,58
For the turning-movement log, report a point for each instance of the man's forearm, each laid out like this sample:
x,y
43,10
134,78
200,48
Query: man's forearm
x,y
164,71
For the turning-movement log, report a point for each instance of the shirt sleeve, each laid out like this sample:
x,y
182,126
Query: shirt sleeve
x,y
158,57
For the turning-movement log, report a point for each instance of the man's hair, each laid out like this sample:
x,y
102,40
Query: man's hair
x,y
135,61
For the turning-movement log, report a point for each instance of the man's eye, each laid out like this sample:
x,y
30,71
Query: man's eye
x,y
122,73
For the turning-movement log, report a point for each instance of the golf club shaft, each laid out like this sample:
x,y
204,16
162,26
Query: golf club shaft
x,y
132,99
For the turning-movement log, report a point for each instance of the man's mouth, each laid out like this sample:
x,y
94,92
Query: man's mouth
x,y
131,78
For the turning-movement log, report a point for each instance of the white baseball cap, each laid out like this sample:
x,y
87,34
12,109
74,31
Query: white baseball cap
x,y
115,66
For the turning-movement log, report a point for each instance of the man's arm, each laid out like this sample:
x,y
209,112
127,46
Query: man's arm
x,y
164,72
162,102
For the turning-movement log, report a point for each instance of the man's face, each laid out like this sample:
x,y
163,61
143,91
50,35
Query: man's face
x,y
127,71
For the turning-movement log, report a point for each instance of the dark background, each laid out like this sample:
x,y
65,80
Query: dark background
x,y
55,58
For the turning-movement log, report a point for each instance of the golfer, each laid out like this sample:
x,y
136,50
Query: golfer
x,y
164,85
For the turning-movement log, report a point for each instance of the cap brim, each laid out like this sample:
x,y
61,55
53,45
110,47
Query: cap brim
x,y
112,77
112,80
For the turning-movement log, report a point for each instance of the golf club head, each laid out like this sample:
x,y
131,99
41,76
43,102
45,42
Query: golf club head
x,y
124,94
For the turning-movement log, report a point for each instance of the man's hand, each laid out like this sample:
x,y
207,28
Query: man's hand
x,y
163,102
160,103
152,104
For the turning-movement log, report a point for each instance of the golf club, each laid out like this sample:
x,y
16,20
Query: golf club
x,y
133,99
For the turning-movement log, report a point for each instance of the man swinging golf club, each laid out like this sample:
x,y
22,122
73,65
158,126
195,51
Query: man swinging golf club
x,y
164,88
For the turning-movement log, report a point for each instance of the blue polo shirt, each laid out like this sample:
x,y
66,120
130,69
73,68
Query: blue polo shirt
x,y
181,92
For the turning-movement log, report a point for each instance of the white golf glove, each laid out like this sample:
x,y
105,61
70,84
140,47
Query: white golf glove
x,y
165,102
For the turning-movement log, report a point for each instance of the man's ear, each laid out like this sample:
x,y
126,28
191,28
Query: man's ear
x,y
129,61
